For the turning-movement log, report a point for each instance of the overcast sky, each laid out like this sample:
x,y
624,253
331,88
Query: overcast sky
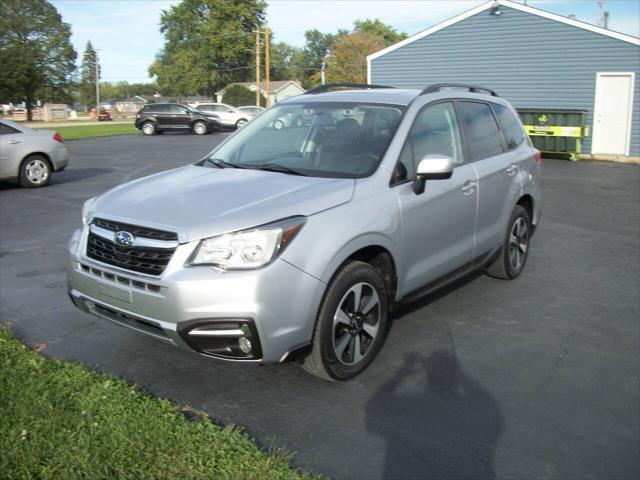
x,y
126,31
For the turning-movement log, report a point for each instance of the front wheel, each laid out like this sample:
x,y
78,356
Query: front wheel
x,y
351,324
200,128
515,248
241,123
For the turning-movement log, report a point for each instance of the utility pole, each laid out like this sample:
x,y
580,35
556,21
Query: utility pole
x,y
322,69
97,86
604,15
258,66
267,65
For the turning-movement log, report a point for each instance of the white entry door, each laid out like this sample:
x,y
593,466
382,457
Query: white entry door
x,y
612,113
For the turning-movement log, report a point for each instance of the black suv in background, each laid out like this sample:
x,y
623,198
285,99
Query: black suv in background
x,y
162,117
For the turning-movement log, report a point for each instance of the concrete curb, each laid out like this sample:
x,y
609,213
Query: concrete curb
x,y
611,158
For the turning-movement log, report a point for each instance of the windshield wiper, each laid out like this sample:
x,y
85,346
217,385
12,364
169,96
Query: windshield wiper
x,y
276,167
218,162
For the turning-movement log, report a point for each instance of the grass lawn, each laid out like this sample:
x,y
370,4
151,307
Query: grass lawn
x,y
102,129
60,420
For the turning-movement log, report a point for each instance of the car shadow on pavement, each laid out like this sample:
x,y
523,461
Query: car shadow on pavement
x,y
74,174
435,420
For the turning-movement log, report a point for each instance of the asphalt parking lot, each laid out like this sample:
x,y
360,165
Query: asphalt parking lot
x,y
535,378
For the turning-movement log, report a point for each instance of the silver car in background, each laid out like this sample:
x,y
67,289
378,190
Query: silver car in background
x,y
30,156
230,117
251,110
294,242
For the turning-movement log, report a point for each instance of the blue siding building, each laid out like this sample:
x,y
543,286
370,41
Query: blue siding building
x,y
532,58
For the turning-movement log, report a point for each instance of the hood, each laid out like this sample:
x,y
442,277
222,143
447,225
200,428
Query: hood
x,y
198,202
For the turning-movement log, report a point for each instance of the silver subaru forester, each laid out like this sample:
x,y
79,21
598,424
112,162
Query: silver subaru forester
x,y
295,242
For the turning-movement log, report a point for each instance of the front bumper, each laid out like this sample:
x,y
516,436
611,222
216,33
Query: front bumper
x,y
274,307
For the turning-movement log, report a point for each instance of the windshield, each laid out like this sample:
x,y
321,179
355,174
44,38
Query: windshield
x,y
191,109
344,140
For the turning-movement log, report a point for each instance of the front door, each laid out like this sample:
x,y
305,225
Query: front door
x,y
437,225
612,113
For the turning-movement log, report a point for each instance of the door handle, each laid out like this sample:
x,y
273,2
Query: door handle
x,y
511,169
469,187
13,142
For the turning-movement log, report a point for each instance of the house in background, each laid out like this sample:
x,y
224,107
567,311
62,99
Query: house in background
x,y
279,90
532,58
130,105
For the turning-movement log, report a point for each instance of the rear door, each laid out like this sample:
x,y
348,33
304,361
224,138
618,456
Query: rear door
x,y
437,225
162,113
11,145
497,166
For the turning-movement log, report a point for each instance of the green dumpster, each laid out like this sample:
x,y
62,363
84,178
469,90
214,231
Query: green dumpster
x,y
554,130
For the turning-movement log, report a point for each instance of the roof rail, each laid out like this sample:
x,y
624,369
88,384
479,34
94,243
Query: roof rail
x,y
329,86
436,87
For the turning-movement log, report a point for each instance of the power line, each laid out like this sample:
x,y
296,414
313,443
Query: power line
x,y
218,70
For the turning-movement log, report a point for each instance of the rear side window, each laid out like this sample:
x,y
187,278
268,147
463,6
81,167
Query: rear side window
x,y
483,134
513,132
6,129
153,108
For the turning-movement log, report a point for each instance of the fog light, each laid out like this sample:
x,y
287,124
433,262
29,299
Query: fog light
x,y
245,344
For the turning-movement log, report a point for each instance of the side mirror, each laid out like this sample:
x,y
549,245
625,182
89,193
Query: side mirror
x,y
432,167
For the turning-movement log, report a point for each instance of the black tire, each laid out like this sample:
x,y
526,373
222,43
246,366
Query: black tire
x,y
149,128
35,171
200,128
241,123
504,266
323,362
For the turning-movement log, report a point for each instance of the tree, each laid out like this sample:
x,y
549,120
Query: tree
x,y
348,62
208,43
283,62
88,76
36,56
386,33
237,95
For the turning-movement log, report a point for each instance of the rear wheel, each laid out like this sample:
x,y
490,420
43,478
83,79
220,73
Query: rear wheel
x,y
515,248
149,128
35,171
351,324
200,128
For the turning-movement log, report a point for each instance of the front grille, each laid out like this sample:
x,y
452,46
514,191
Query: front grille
x,y
151,261
137,231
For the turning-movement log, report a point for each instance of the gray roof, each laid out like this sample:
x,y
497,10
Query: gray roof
x,y
393,96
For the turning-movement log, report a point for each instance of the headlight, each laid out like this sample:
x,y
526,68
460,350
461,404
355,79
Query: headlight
x,y
85,210
247,249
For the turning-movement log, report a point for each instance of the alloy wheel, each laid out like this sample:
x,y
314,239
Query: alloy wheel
x,y
518,243
356,323
200,128
37,171
148,128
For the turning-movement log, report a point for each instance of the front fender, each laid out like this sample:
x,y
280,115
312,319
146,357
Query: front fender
x,y
331,237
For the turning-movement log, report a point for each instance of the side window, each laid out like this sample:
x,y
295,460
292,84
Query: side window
x,y
513,132
483,134
434,130
177,110
6,129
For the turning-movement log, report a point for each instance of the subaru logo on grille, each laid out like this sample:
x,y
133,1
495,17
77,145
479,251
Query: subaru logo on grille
x,y
124,239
